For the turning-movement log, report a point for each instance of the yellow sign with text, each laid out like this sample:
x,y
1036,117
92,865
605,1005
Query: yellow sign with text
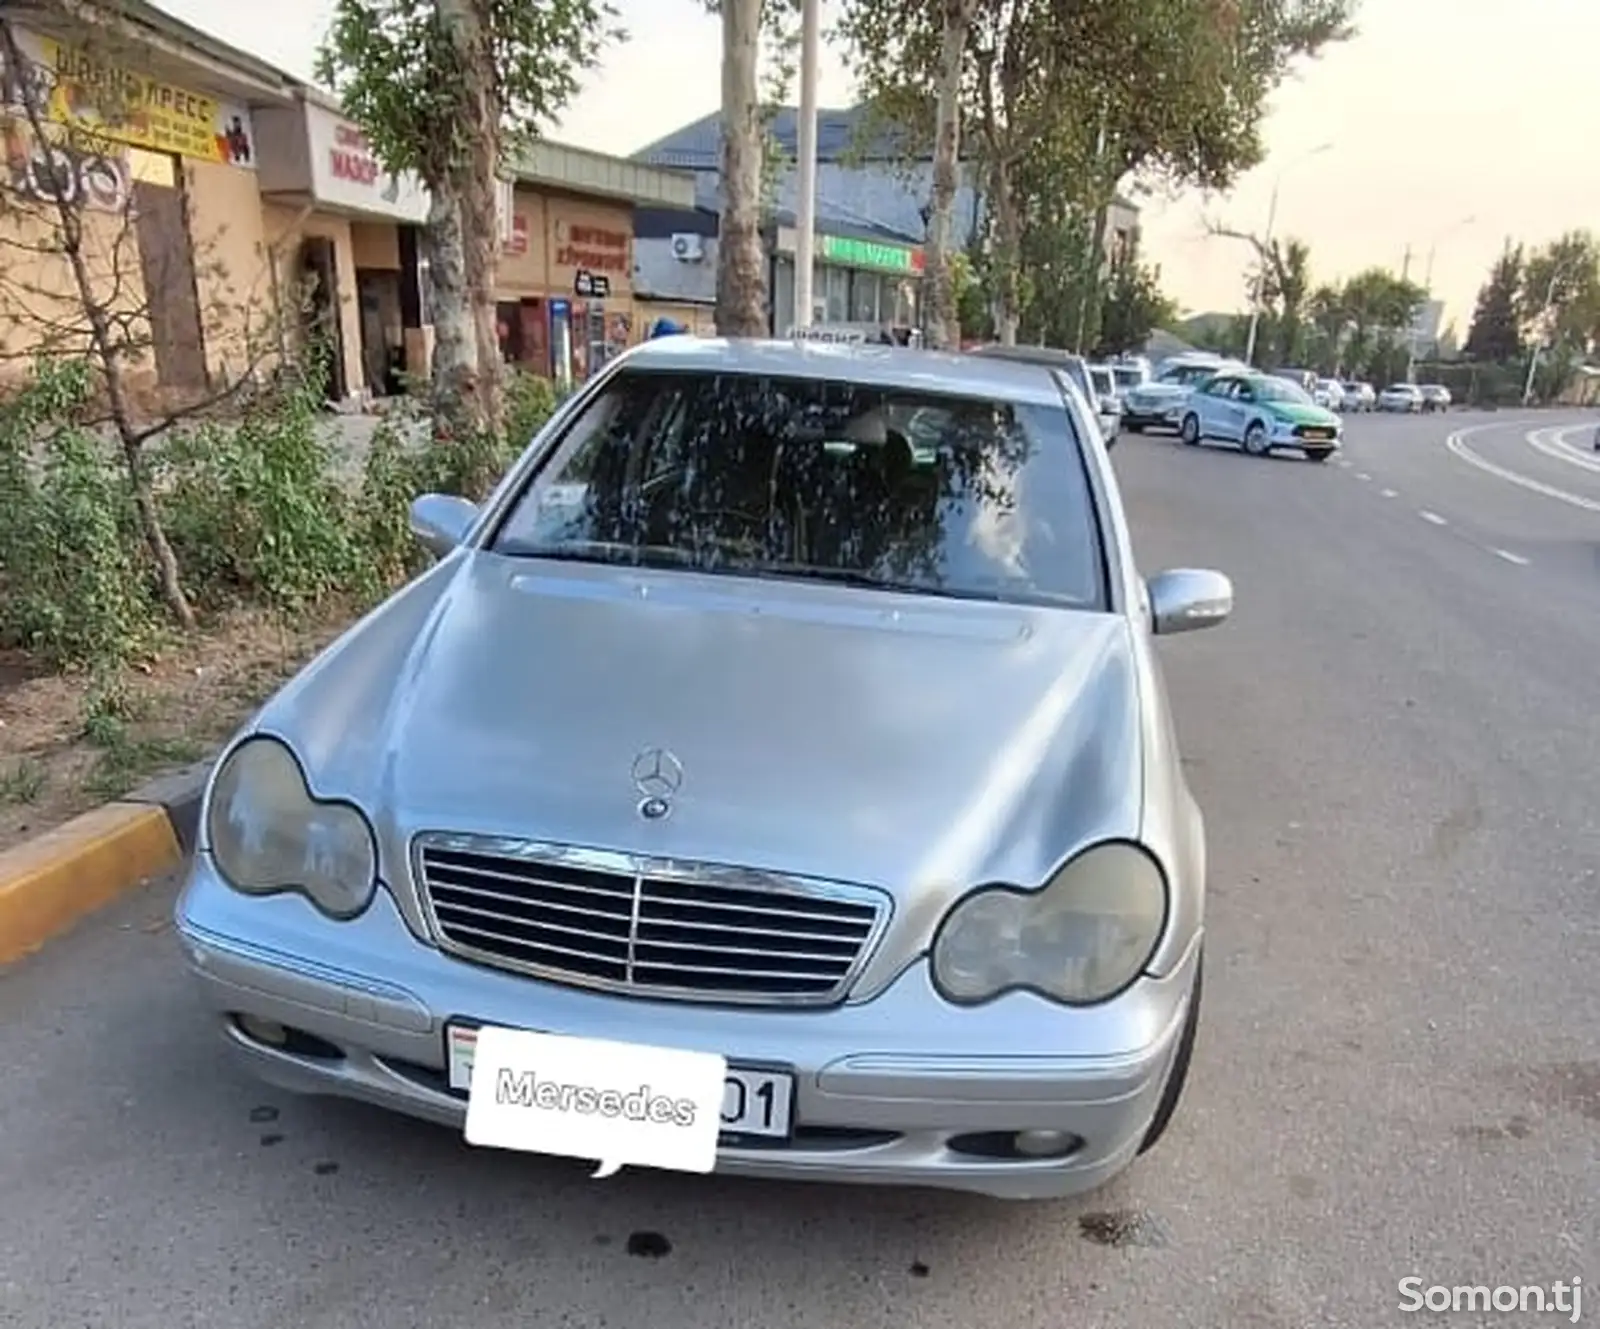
x,y
95,95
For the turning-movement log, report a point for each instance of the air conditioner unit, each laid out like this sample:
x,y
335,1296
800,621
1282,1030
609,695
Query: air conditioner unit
x,y
687,247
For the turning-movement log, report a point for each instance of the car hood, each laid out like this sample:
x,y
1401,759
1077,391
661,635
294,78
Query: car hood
x,y
1300,413
908,742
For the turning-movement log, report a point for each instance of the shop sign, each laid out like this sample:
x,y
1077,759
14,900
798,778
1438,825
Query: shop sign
x,y
594,248
590,286
73,86
346,172
874,254
83,176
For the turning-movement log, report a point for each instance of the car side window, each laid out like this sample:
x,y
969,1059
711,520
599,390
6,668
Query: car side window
x,y
1244,392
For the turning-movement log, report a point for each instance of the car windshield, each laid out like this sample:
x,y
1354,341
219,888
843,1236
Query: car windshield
x,y
1280,389
1104,383
1127,378
1188,375
1404,388
756,476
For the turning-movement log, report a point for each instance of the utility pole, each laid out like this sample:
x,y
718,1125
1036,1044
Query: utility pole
x,y
1266,253
805,241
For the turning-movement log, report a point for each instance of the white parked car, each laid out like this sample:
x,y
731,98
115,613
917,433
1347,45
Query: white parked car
x,y
1358,397
1329,393
1400,397
1435,396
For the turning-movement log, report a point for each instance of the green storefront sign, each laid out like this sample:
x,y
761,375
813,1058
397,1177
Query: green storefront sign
x,y
868,254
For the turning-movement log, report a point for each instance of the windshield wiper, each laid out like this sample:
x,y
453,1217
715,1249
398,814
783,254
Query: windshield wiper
x,y
602,552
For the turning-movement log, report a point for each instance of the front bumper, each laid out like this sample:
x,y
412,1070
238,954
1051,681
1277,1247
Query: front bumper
x,y
1166,415
887,1091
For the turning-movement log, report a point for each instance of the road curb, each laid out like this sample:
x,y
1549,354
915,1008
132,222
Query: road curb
x,y
51,882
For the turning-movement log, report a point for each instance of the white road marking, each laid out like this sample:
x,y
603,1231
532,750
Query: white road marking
x,y
1362,475
1345,462
1434,517
1457,445
1553,443
1391,493
1510,557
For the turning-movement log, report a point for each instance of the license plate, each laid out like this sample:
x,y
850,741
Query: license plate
x,y
1318,434
755,1103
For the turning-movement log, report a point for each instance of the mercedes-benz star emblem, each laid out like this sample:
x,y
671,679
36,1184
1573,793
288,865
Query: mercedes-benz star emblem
x,y
657,775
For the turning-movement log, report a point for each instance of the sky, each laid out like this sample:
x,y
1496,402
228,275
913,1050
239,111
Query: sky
x,y
1449,125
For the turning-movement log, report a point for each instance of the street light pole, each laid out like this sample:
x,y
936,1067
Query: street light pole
x,y
1261,275
1533,353
1266,249
805,241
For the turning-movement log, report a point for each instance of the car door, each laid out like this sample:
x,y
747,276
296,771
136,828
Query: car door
x,y
1215,405
1242,409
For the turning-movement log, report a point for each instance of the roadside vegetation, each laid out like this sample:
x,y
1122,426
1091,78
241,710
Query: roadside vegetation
x,y
280,537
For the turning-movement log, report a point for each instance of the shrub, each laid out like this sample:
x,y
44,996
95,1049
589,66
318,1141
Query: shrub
x,y
255,510
73,583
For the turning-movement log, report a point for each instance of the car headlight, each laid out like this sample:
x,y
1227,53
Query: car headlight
x,y
1080,940
268,833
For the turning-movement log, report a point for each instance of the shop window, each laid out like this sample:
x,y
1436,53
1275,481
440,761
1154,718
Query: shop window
x,y
833,293
864,297
783,310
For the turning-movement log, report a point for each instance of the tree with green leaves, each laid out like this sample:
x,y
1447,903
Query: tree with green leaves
x,y
1134,308
1074,97
450,89
1560,297
1496,332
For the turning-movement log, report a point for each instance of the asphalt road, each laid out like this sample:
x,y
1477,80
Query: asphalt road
x,y
1398,1073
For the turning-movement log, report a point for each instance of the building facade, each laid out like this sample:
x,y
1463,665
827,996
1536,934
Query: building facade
x,y
231,214
565,292
148,141
872,208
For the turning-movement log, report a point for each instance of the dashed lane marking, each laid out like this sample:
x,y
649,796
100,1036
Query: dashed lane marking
x,y
1509,557
1391,493
1433,517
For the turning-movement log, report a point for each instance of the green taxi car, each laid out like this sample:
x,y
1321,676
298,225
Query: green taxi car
x,y
1261,414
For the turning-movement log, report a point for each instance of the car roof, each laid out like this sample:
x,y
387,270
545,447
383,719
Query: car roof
x,y
940,372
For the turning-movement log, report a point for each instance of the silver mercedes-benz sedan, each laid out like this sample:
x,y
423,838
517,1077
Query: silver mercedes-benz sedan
x,y
735,736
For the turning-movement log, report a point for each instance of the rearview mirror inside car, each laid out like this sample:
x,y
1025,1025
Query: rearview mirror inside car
x,y
1187,599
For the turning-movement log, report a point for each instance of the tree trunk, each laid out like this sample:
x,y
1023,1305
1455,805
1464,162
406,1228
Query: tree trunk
x,y
480,231
456,398
1006,298
941,326
1090,290
741,265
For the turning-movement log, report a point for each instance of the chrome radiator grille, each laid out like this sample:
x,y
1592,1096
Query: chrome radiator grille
x,y
691,931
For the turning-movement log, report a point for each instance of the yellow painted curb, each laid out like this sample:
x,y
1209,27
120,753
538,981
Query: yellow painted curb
x,y
48,883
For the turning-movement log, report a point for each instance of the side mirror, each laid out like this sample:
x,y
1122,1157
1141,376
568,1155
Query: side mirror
x,y
1185,599
441,521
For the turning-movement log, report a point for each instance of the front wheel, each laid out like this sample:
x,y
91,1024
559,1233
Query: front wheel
x,y
1189,431
1255,439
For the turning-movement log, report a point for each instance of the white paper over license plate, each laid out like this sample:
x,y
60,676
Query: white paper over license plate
x,y
754,1102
